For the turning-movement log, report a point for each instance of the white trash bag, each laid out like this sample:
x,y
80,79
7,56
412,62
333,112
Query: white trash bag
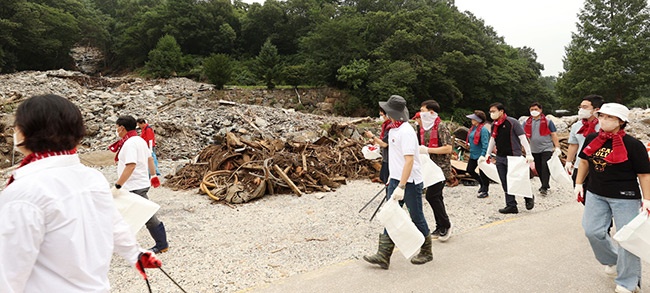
x,y
431,173
490,170
136,210
371,152
558,173
400,228
519,177
635,236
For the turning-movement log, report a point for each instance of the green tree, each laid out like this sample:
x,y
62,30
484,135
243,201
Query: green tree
x,y
609,53
354,74
218,69
166,59
269,67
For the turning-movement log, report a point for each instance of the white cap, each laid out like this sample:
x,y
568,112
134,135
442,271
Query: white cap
x,y
615,109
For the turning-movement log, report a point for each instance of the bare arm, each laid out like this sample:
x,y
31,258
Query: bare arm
x,y
375,139
644,181
556,140
443,150
406,172
152,167
128,170
583,170
572,152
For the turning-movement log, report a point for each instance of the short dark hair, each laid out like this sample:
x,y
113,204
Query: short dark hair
x,y
127,121
49,123
595,100
498,105
141,121
431,105
536,104
481,115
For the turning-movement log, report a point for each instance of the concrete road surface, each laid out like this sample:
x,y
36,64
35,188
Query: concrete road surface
x,y
541,252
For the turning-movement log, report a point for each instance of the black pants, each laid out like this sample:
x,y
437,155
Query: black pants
x,y
436,201
502,169
482,179
542,167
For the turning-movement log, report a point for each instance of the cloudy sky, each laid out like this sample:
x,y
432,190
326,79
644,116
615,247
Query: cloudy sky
x,y
544,25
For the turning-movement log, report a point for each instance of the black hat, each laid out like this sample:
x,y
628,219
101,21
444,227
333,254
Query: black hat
x,y
395,108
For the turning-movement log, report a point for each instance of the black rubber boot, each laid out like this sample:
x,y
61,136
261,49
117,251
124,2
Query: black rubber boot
x,y
159,235
426,252
385,250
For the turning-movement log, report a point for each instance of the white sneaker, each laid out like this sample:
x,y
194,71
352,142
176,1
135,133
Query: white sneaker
x,y
610,270
445,236
621,289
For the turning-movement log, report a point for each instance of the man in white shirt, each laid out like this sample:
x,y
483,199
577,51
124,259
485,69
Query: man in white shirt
x,y
405,180
134,164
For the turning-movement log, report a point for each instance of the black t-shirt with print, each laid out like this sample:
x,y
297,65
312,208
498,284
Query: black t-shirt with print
x,y
616,180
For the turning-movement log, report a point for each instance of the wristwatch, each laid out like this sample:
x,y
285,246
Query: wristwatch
x,y
117,186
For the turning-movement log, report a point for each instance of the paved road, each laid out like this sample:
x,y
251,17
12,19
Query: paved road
x,y
542,252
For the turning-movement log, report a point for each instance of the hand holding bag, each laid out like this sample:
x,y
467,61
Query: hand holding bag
x,y
400,228
136,210
635,236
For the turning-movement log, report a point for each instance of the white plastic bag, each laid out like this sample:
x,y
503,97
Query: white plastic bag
x,y
519,177
400,228
558,173
431,173
136,210
490,170
371,152
635,236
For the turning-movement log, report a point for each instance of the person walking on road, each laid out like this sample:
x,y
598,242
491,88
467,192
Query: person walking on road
x,y
405,183
58,224
149,137
436,141
543,142
478,138
587,124
134,164
617,165
508,137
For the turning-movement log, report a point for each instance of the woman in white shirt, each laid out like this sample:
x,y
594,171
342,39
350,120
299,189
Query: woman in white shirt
x,y
58,224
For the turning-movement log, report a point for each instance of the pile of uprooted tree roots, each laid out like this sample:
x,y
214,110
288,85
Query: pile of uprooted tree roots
x,y
240,170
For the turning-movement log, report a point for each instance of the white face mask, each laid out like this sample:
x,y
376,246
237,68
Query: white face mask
x,y
495,115
428,119
584,114
16,143
608,125
117,134
535,113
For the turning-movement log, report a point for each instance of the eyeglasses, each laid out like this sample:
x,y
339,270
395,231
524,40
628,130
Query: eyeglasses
x,y
586,107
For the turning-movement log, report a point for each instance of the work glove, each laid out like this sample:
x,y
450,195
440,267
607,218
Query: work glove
x,y
398,193
645,205
155,182
147,260
568,166
557,152
115,191
577,191
529,159
423,149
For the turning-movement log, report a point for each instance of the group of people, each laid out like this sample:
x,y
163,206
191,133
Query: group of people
x,y
58,224
610,170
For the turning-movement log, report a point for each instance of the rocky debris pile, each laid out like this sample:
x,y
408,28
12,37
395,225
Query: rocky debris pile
x,y
240,170
186,115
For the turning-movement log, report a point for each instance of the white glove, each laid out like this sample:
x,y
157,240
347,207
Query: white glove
x,y
645,205
557,152
529,159
577,191
423,149
398,193
568,166
115,191
482,159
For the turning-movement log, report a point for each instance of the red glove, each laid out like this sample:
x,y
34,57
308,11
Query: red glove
x,y
147,260
155,182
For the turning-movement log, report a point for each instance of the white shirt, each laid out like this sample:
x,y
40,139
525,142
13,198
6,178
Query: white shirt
x,y
59,228
135,150
579,139
403,141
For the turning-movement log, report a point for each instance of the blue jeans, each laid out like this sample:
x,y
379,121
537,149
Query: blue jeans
x,y
155,160
413,201
596,220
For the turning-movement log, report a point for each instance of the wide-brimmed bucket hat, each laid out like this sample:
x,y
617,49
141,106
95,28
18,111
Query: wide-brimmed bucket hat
x,y
395,108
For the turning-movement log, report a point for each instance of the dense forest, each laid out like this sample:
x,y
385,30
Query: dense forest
x,y
420,49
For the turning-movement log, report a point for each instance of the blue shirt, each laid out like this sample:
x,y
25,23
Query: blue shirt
x,y
478,150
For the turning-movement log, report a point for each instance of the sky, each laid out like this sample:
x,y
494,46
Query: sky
x,y
544,25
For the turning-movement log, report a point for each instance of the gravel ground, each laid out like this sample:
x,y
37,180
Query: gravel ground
x,y
219,248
